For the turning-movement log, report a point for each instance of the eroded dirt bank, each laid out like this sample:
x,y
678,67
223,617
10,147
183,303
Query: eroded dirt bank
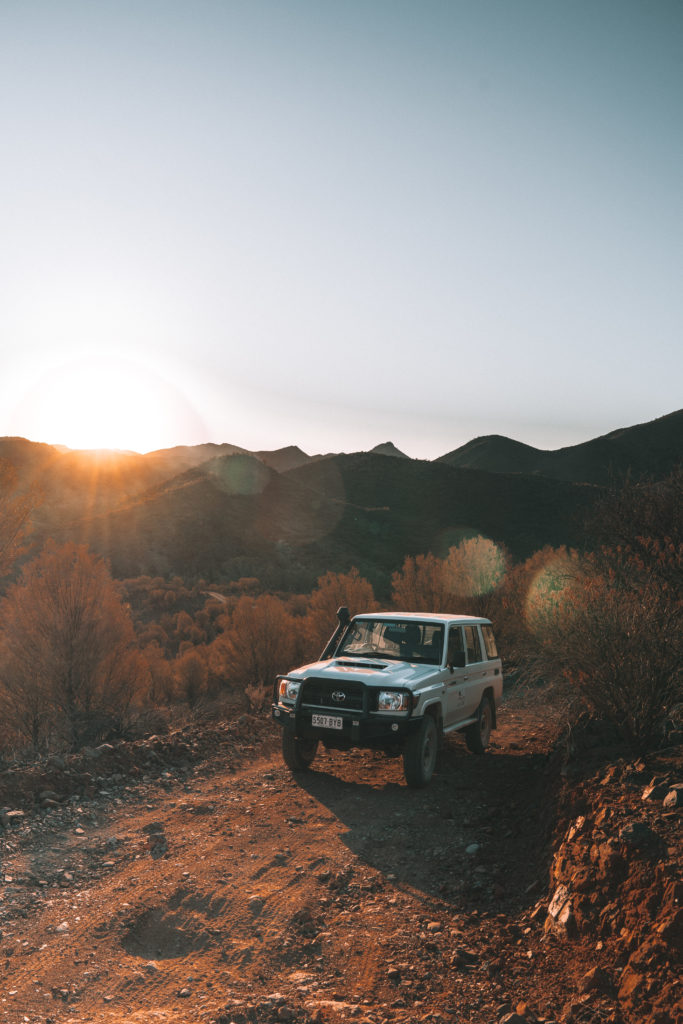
x,y
183,881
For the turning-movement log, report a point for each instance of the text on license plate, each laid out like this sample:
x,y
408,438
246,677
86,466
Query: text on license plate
x,y
327,721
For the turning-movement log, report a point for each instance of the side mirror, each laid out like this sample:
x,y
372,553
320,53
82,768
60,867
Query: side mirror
x,y
456,660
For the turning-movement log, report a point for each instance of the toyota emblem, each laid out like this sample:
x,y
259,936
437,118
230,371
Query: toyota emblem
x,y
338,696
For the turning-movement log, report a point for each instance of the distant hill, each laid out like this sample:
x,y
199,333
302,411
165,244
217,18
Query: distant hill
x,y
76,483
284,458
388,448
182,457
411,506
647,450
230,517
217,512
233,516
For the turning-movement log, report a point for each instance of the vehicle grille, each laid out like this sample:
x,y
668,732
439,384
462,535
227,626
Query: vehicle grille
x,y
318,693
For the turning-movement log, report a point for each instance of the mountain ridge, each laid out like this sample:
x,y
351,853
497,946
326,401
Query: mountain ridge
x,y
652,448
221,513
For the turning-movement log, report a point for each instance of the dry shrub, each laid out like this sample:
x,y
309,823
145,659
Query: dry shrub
x,y
530,592
466,581
258,698
16,506
613,631
69,664
162,678
259,642
421,585
334,590
191,673
475,569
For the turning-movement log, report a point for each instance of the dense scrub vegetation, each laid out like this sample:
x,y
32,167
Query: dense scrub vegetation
x,y
84,657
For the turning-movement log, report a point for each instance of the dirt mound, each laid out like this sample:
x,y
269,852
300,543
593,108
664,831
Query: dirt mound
x,y
54,780
616,880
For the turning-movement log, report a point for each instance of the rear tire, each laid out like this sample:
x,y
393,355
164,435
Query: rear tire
x,y
478,735
419,754
298,754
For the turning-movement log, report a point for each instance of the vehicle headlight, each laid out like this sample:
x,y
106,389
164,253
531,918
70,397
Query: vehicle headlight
x,y
288,689
392,700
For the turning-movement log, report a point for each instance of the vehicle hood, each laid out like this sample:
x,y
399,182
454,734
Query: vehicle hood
x,y
370,671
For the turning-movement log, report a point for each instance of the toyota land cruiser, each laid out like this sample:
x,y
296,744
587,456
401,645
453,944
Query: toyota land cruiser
x,y
393,681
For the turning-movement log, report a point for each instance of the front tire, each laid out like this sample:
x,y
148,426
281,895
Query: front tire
x,y
298,754
478,735
419,754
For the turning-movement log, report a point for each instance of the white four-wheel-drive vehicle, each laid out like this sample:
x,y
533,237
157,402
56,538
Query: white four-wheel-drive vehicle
x,y
395,681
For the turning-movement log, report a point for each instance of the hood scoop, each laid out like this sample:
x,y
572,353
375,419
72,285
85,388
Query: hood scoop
x,y
376,666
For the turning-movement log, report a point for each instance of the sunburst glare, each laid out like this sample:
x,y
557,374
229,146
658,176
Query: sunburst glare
x,y
107,402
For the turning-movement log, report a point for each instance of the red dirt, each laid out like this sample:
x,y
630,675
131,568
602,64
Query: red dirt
x,y
194,879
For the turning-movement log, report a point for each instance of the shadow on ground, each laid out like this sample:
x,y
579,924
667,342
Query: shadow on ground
x,y
478,836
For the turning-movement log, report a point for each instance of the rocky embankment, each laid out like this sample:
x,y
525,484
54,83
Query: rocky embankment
x,y
616,880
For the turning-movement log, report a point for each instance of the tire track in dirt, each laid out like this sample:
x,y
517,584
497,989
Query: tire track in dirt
x,y
231,887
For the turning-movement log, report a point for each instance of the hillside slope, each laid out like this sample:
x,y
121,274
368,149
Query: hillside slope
x,y
219,513
647,450
233,517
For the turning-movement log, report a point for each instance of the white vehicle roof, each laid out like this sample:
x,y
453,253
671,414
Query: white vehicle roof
x,y
422,617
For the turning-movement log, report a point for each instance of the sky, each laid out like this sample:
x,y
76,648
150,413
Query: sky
x,y
335,223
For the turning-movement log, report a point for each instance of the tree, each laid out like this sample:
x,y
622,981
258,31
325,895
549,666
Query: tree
x,y
259,642
633,512
523,597
15,510
611,622
335,590
69,665
474,570
464,581
614,632
192,673
421,585
162,680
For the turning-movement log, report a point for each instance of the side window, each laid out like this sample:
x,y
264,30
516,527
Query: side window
x,y
433,641
455,644
489,642
473,645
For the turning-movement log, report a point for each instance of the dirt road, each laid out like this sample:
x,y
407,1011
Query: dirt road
x,y
213,895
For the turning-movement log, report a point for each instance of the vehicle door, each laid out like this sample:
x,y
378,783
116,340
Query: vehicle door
x,y
455,677
476,673
491,663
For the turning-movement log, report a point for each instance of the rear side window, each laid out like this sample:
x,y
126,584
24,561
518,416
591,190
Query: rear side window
x,y
489,642
472,644
455,645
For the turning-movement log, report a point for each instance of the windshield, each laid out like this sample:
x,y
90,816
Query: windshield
x,y
398,640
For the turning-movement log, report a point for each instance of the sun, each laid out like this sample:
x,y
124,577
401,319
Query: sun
x,y
107,402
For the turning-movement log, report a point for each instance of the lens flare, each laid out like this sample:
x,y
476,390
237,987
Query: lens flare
x,y
475,567
548,590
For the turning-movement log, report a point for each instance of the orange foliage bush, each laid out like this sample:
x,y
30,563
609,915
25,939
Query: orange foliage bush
x,y
614,631
259,641
15,508
334,590
69,663
465,581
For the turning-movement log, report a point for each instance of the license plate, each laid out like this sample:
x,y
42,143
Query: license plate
x,y
327,721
